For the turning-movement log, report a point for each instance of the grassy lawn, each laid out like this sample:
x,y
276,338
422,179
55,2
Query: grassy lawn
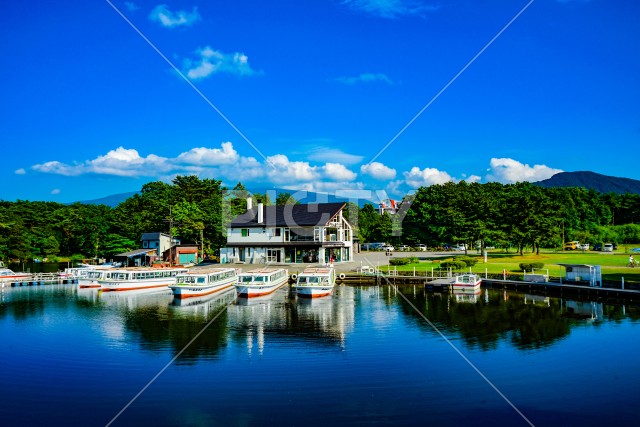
x,y
614,265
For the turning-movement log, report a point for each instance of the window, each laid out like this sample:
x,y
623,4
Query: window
x,y
245,232
276,232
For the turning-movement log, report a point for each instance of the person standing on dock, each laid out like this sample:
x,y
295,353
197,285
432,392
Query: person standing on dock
x,y
631,261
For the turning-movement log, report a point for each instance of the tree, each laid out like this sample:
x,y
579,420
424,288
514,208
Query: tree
x,y
285,198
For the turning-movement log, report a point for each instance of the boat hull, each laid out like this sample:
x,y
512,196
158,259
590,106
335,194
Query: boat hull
x,y
313,292
251,291
133,286
192,291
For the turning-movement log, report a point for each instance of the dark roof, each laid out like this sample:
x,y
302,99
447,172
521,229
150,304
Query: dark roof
x,y
135,253
313,214
152,236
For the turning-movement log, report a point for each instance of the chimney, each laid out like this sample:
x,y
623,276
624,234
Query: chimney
x,y
249,203
260,213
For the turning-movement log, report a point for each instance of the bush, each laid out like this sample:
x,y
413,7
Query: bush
x,y
528,266
455,265
470,261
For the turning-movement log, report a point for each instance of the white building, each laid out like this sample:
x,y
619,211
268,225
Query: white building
x,y
310,233
158,241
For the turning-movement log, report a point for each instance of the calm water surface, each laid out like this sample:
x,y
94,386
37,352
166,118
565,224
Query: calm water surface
x,y
360,357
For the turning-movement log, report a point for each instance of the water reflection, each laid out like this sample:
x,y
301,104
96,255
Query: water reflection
x,y
321,321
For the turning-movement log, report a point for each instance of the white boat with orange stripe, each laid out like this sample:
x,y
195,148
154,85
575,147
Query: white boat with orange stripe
x,y
135,278
90,278
262,281
202,281
315,282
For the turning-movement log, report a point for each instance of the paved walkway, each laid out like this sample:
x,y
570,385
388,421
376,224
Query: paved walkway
x,y
365,258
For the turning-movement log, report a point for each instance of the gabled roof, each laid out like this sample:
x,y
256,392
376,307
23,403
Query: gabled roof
x,y
312,214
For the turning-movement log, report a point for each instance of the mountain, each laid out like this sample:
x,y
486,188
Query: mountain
x,y
311,197
111,201
592,180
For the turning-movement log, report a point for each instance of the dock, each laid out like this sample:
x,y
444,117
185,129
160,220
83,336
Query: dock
x,y
39,279
558,289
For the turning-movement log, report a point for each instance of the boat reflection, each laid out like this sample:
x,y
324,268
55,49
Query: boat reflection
x,y
467,295
88,294
318,321
136,298
205,305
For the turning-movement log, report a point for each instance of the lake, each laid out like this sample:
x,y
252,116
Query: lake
x,y
363,356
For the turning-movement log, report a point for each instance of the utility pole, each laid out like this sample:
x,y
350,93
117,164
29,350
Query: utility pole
x,y
171,224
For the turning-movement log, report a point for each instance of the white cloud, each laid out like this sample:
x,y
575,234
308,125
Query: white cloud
x,y
222,163
473,178
324,154
390,8
168,19
417,177
127,162
507,171
366,78
210,156
57,168
325,187
55,191
213,61
338,172
20,171
378,171
285,171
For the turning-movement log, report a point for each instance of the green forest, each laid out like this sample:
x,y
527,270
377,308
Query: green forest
x,y
521,216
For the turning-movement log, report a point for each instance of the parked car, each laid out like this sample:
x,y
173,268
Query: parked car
x,y
404,248
459,247
608,247
634,250
388,248
571,246
597,247
584,246
422,248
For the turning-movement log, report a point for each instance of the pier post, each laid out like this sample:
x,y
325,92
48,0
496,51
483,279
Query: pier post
x,y
622,282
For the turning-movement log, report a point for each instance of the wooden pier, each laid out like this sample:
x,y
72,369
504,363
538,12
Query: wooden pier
x,y
39,279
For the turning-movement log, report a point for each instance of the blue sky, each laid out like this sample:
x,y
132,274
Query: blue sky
x,y
306,94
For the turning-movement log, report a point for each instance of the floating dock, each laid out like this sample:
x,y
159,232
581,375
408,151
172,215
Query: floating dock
x,y
38,279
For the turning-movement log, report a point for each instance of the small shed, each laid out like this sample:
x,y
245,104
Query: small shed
x,y
583,273
181,254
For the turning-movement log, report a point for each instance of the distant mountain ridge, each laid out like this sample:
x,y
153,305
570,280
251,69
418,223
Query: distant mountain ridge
x,y
593,181
311,197
111,201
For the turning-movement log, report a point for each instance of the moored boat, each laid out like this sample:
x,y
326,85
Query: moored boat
x,y
315,282
7,275
466,281
198,282
262,281
129,279
89,278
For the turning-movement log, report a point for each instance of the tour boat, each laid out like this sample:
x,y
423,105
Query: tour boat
x,y
129,279
315,282
262,281
90,278
466,281
203,281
